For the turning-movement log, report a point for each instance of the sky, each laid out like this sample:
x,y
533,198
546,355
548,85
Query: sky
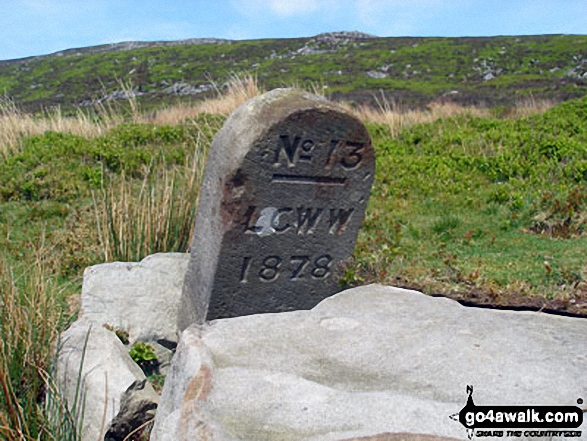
x,y
36,27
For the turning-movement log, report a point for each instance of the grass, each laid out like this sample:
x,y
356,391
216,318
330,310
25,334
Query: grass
x,y
16,125
482,205
134,221
238,89
32,311
73,195
482,209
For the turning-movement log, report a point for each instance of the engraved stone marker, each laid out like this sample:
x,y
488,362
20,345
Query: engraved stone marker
x,y
284,194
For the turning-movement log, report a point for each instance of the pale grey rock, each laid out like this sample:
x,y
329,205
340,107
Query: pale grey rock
x,y
328,42
187,89
122,95
308,50
375,361
376,74
188,383
141,298
343,36
94,373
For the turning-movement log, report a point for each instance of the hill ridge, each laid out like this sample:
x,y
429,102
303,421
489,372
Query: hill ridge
x,y
350,65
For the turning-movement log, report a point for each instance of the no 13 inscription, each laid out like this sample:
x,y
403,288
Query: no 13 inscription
x,y
348,154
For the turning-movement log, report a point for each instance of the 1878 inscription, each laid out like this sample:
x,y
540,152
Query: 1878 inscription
x,y
284,195
270,267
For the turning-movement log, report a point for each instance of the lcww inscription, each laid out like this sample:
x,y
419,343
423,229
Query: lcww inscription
x,y
284,194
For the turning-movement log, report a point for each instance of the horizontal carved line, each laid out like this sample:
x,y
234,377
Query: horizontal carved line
x,y
301,179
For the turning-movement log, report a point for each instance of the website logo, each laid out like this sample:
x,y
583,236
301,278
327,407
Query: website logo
x,y
542,419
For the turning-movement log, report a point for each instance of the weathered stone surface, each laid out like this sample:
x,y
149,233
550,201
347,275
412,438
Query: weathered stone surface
x,y
138,406
106,375
141,298
285,189
187,385
375,362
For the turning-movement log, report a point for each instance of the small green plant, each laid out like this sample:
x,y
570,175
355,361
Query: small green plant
x,y
351,278
142,353
157,381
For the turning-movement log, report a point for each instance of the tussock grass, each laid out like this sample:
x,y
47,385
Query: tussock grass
x,y
397,118
241,88
156,215
530,106
16,125
30,317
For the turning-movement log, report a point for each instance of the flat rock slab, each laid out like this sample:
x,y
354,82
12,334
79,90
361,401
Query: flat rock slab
x,y
375,362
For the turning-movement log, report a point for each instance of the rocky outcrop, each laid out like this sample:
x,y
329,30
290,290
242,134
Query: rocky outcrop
x,y
374,363
328,42
187,89
104,388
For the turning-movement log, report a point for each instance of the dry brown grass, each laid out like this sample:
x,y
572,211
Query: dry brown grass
x,y
530,106
397,118
15,125
241,88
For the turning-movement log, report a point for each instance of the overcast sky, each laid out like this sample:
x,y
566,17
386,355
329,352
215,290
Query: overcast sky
x,y
34,27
